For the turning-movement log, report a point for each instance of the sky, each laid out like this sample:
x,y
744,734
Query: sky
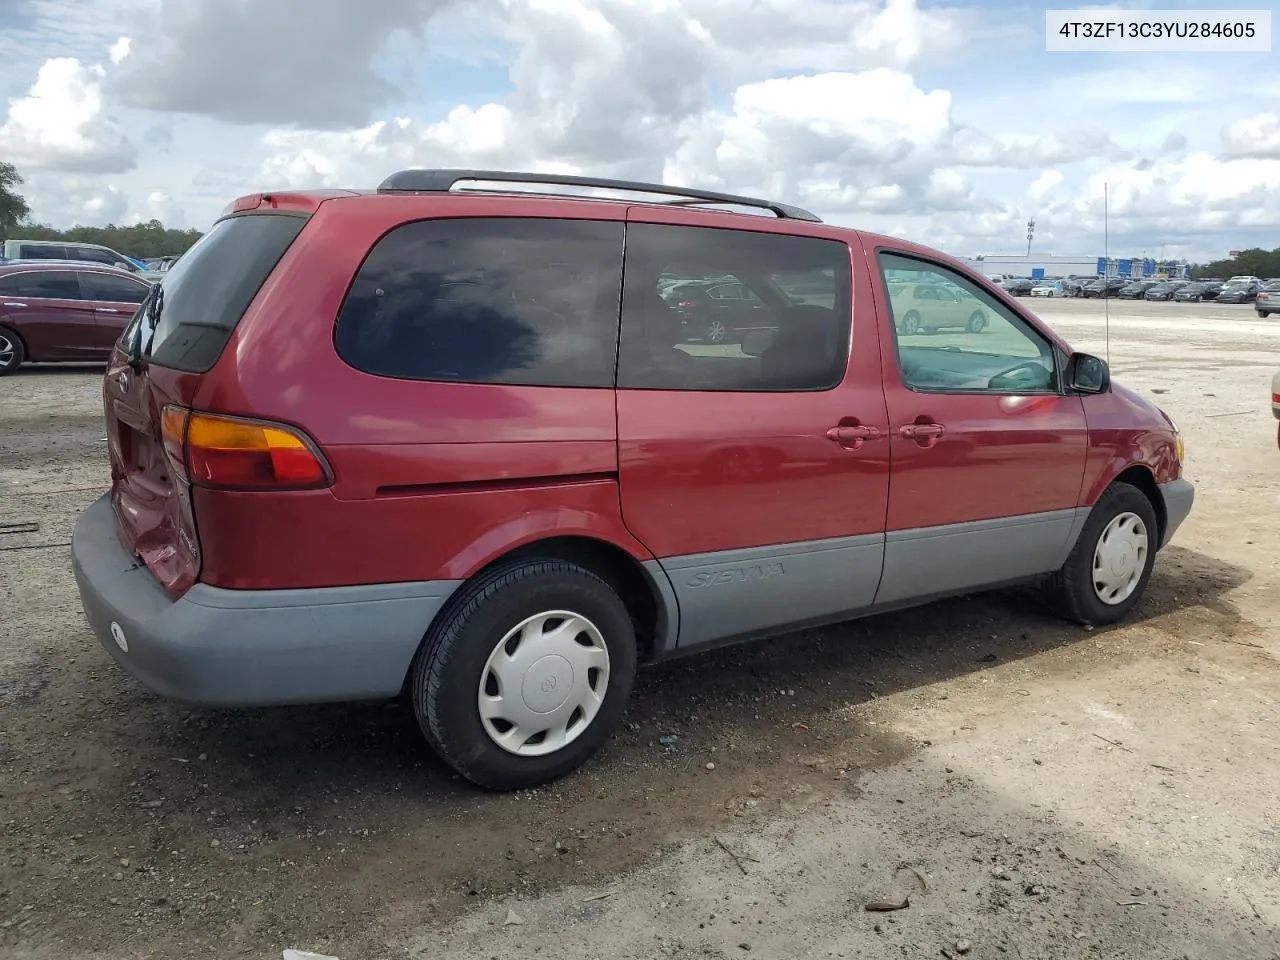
x,y
948,124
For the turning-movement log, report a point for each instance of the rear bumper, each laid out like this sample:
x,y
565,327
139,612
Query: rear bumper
x,y
1179,496
221,647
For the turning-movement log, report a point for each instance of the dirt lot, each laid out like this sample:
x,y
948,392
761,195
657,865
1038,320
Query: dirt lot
x,y
1057,792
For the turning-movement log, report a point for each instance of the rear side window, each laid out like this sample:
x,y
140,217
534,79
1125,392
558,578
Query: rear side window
x,y
104,286
39,251
748,311
49,285
95,255
208,290
488,300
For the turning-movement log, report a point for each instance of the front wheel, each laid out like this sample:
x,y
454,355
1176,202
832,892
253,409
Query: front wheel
x,y
1108,569
716,332
527,675
910,324
977,323
1263,314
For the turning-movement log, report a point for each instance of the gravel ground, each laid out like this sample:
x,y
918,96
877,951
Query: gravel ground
x,y
1032,789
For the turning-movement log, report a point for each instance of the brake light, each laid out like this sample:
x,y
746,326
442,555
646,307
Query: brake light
x,y
229,453
687,304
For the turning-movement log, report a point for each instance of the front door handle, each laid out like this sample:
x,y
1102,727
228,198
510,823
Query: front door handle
x,y
8,304
851,434
106,310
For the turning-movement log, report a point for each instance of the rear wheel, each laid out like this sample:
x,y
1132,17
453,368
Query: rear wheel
x,y
1108,569
12,353
910,324
716,332
527,675
977,323
1264,314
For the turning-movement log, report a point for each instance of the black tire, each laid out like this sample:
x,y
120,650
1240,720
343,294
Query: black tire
x,y
1071,590
977,323
447,671
12,351
910,324
1263,314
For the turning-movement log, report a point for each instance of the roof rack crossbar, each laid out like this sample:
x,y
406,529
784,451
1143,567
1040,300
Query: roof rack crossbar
x,y
443,181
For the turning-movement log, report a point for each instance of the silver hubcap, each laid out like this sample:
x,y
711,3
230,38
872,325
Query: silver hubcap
x,y
6,351
544,683
1120,558
716,331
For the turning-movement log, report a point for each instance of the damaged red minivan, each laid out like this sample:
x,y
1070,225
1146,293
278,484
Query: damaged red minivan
x,y
454,439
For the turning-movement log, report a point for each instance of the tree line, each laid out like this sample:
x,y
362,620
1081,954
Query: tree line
x,y
143,240
1255,262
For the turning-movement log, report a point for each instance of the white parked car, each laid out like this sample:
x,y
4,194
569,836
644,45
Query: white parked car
x,y
1048,288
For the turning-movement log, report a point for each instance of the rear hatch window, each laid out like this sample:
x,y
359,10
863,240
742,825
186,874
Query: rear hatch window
x,y
207,292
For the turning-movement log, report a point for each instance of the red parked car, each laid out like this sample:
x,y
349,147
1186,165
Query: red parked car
x,y
455,444
63,311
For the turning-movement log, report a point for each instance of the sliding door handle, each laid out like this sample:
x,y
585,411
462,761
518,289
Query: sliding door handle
x,y
924,432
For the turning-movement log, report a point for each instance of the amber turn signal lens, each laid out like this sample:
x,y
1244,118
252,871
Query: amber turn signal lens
x,y
232,454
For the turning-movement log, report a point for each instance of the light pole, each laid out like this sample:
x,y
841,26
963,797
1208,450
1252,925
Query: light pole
x,y
1031,232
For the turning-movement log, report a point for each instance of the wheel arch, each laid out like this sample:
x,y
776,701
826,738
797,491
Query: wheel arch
x,y
643,587
1141,477
26,348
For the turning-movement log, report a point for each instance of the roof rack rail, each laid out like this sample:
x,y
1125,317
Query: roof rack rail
x,y
443,181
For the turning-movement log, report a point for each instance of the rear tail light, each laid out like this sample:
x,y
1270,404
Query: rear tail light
x,y
231,453
687,304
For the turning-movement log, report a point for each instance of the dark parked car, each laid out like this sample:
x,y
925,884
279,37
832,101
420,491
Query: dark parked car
x,y
1239,291
1019,286
53,312
1103,288
1134,290
1267,300
1192,293
1162,291
719,311
450,445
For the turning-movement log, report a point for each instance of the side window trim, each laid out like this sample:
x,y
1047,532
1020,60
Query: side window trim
x,y
1049,346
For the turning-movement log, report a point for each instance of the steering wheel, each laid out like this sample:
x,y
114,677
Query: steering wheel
x,y
1030,370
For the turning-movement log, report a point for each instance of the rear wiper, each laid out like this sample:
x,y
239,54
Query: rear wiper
x,y
151,307
153,314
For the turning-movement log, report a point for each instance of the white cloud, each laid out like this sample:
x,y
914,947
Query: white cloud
x,y
70,200
120,49
63,123
308,62
1256,136
885,114
159,206
1045,184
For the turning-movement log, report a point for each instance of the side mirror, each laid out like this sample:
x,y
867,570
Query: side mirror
x,y
1088,374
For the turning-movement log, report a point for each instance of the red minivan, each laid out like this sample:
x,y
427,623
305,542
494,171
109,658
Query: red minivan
x,y
456,444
